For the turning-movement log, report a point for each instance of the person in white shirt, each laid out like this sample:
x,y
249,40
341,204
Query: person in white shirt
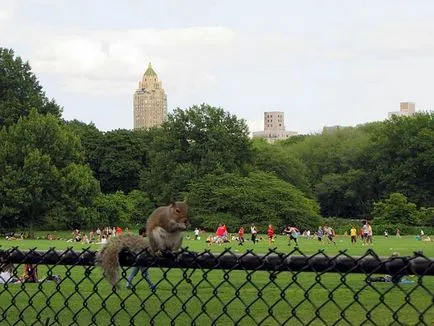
x,y
6,274
196,234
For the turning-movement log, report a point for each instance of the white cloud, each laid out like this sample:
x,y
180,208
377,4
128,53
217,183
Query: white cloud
x,y
107,55
4,15
402,37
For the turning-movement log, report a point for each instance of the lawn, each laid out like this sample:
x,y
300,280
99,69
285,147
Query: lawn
x,y
225,297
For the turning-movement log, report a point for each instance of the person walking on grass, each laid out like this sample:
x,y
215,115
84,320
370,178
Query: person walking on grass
x,y
143,270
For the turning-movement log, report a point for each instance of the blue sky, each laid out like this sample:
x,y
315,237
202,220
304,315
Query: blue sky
x,y
321,62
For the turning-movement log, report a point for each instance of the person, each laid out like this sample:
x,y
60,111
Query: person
x,y
196,234
118,231
220,233
386,234
395,279
254,233
353,234
369,240
241,236
365,229
330,233
319,233
98,234
6,274
144,270
84,239
422,234
30,274
398,233
292,232
270,234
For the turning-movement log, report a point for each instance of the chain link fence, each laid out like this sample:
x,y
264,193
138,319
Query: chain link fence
x,y
188,288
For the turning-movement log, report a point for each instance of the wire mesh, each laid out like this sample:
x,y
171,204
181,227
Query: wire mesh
x,y
190,288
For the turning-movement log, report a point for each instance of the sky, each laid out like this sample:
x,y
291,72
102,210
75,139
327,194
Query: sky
x,y
322,63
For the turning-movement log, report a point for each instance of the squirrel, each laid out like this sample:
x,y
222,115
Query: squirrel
x,y
164,233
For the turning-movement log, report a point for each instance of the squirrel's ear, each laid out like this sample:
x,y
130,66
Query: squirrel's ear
x,y
186,198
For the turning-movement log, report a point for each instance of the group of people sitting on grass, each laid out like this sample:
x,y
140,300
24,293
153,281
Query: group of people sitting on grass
x,y
30,275
99,236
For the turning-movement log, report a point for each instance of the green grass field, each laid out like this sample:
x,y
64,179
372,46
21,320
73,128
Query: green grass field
x,y
201,297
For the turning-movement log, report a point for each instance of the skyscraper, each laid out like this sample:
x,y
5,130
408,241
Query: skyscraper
x,y
150,101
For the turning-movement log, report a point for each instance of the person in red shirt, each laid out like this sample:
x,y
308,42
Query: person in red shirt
x,y
220,234
270,233
241,236
118,231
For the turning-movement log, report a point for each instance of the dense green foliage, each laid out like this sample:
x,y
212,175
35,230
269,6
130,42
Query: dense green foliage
x,y
56,173
259,198
20,91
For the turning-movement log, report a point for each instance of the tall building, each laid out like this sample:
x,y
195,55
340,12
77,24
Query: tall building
x,y
274,127
405,109
150,101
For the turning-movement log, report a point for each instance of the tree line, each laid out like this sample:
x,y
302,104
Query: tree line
x,y
56,173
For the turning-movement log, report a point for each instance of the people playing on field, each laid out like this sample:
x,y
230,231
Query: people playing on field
x,y
196,234
241,236
254,234
365,229
320,233
369,240
293,234
353,234
220,234
270,234
330,233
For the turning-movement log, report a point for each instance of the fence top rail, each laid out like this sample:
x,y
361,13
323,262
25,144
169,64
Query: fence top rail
x,y
295,260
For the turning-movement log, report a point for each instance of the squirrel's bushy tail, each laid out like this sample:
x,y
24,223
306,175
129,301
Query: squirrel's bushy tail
x,y
108,257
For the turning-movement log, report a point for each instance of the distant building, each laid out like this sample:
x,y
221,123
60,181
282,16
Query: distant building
x,y
406,109
274,127
150,101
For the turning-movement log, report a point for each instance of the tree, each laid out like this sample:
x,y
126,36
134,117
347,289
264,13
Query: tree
x,y
123,157
344,194
142,207
277,159
259,198
402,157
396,209
114,209
91,140
41,169
20,90
200,140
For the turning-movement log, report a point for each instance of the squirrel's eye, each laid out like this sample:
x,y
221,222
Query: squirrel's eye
x,y
178,210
